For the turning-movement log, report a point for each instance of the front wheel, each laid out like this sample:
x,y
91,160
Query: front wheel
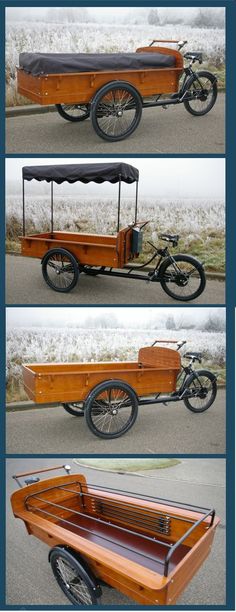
x,y
202,91
76,583
75,409
60,270
111,409
73,112
202,386
182,277
116,111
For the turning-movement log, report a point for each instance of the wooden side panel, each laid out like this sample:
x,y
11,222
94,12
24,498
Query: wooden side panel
x,y
81,87
89,253
75,386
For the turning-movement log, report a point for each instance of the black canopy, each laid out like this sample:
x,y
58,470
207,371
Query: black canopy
x,y
85,173
59,63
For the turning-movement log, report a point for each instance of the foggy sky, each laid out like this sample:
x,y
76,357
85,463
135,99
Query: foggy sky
x,y
100,14
168,177
130,317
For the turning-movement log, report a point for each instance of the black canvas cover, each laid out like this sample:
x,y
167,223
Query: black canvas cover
x,y
85,173
58,63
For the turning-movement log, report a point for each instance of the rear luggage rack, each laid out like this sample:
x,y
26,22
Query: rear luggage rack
x,y
151,520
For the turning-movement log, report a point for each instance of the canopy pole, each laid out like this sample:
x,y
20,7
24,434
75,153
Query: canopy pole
x,y
52,207
136,203
23,205
119,196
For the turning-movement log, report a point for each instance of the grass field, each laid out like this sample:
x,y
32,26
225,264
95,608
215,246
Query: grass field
x,y
38,345
108,38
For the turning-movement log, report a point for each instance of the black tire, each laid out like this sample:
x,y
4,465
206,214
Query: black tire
x,y
116,111
204,102
60,270
204,383
182,277
104,416
75,409
78,586
91,271
73,112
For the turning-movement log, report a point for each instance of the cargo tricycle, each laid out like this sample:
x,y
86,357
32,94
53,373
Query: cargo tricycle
x,y
64,255
108,394
113,88
148,548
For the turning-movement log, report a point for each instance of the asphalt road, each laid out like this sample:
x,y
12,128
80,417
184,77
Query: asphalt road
x,y
158,428
160,131
25,285
202,482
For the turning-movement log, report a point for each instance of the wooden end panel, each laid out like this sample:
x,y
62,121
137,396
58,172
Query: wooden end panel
x,y
124,242
54,494
179,61
29,380
181,576
159,357
32,87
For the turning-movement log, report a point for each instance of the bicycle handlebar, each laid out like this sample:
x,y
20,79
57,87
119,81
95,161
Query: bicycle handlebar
x,y
180,343
16,477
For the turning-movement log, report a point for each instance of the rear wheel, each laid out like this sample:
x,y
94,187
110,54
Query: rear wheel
x,y
116,111
73,579
203,90
111,409
73,112
203,387
182,277
76,409
60,270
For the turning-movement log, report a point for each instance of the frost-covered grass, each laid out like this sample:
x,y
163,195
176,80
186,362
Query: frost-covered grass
x,y
98,38
200,223
36,345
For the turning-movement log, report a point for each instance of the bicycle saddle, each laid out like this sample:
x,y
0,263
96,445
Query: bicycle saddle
x,y
194,56
193,356
170,238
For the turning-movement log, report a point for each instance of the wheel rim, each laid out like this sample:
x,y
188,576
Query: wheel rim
x,y
111,411
203,96
75,111
116,112
72,582
203,388
183,279
60,271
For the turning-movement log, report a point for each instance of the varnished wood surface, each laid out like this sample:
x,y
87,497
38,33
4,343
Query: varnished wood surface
x,y
53,382
126,571
91,249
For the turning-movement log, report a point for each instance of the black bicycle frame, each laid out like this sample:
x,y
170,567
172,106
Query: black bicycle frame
x,y
179,97
153,276
178,395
